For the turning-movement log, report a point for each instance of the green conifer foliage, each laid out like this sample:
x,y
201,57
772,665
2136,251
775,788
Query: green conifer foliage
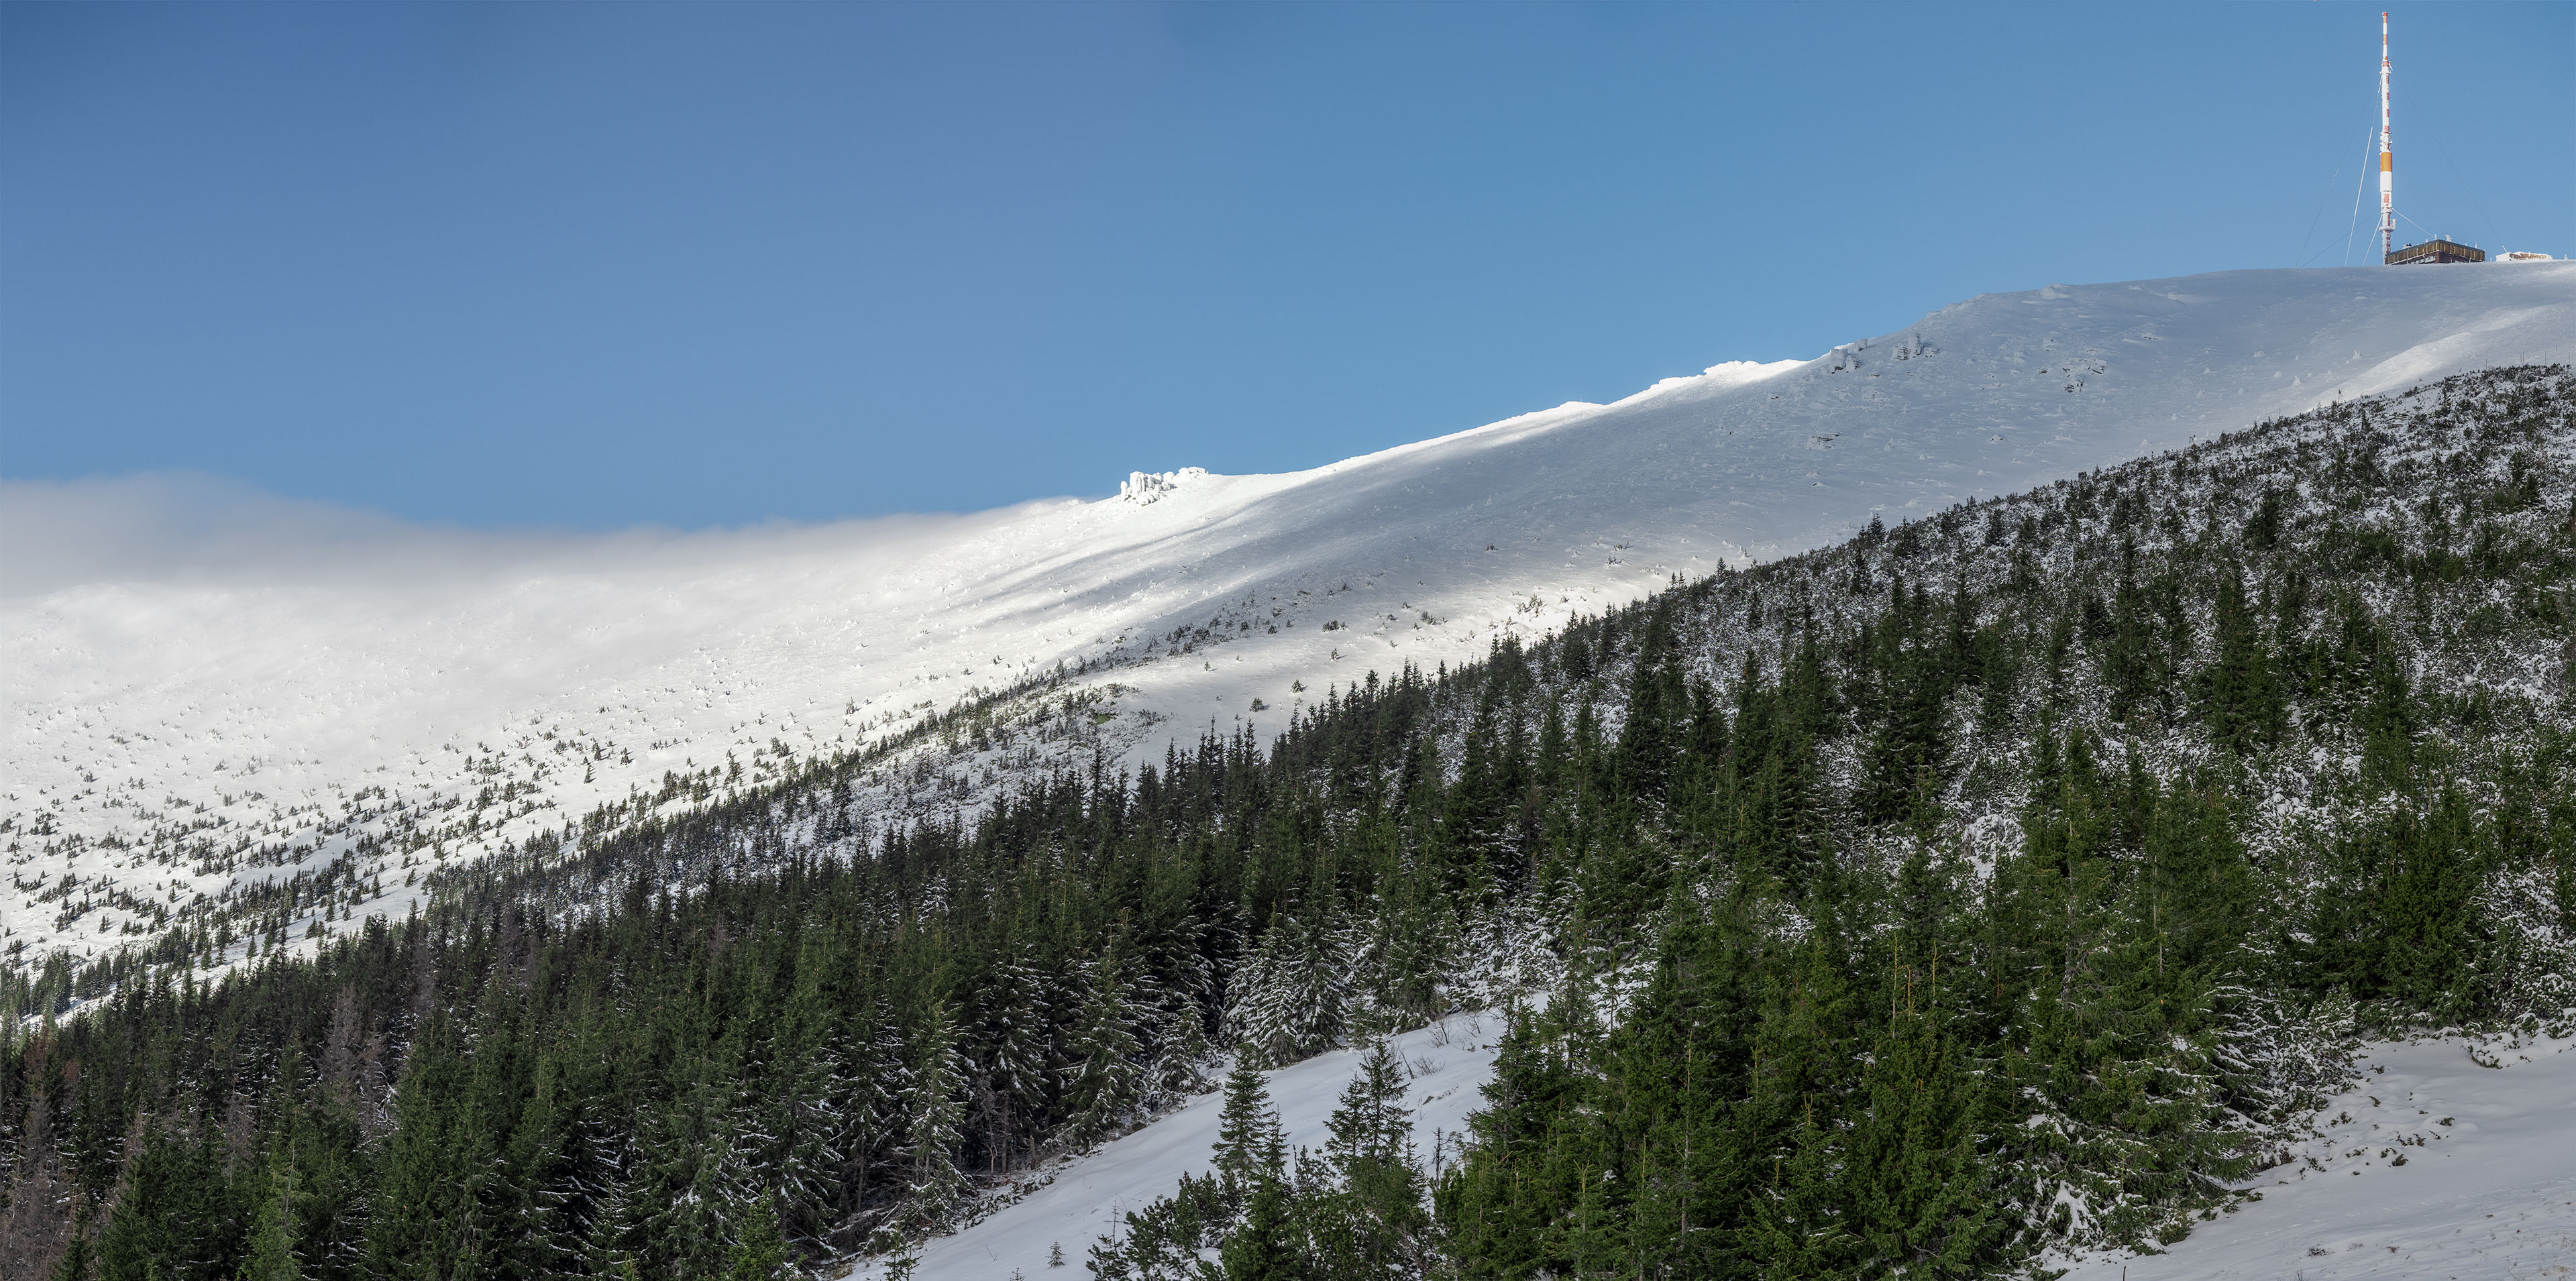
x,y
2003,881
1105,1085
759,1251
1372,1220
1249,1146
1267,1245
1924,1200
272,1240
934,1121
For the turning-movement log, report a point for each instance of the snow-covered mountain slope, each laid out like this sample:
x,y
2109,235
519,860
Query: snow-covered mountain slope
x,y
2452,1161
1072,1204
175,739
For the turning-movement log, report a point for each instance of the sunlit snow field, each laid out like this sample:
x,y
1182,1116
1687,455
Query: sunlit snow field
x,y
246,697
247,701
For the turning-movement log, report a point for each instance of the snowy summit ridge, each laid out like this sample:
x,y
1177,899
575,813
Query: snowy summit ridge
x,y
175,739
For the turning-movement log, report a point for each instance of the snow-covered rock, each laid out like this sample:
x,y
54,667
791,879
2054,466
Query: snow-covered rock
x,y
1142,487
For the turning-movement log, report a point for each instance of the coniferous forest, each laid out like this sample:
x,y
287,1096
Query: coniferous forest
x,y
2013,878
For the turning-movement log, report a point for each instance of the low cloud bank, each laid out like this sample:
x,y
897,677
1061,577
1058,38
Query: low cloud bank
x,y
195,529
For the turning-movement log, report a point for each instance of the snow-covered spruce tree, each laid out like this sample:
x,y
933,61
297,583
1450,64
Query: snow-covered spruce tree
x,y
801,1102
687,1183
2280,1057
1285,1002
574,1146
1105,1083
1011,1078
934,1127
2527,973
1181,1053
1406,956
2127,1128
875,1107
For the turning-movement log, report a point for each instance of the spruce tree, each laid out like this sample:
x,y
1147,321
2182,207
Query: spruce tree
x,y
759,1251
934,1121
1249,1145
1922,1198
1103,1086
1266,1245
272,1240
1374,1209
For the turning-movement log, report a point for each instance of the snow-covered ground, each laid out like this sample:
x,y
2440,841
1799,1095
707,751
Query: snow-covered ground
x,y
1450,1062
2452,1161
181,725
2486,1191
178,729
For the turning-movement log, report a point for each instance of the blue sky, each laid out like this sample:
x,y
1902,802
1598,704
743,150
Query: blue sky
x,y
600,265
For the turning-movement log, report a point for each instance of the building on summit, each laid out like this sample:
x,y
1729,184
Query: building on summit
x,y
2435,250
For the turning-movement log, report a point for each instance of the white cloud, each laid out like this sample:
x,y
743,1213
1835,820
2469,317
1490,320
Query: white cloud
x,y
195,529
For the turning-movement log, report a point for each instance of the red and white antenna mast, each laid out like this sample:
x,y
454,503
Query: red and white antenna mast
x,y
2387,176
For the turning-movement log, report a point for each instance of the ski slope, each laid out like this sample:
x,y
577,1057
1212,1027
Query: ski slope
x,y
179,733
